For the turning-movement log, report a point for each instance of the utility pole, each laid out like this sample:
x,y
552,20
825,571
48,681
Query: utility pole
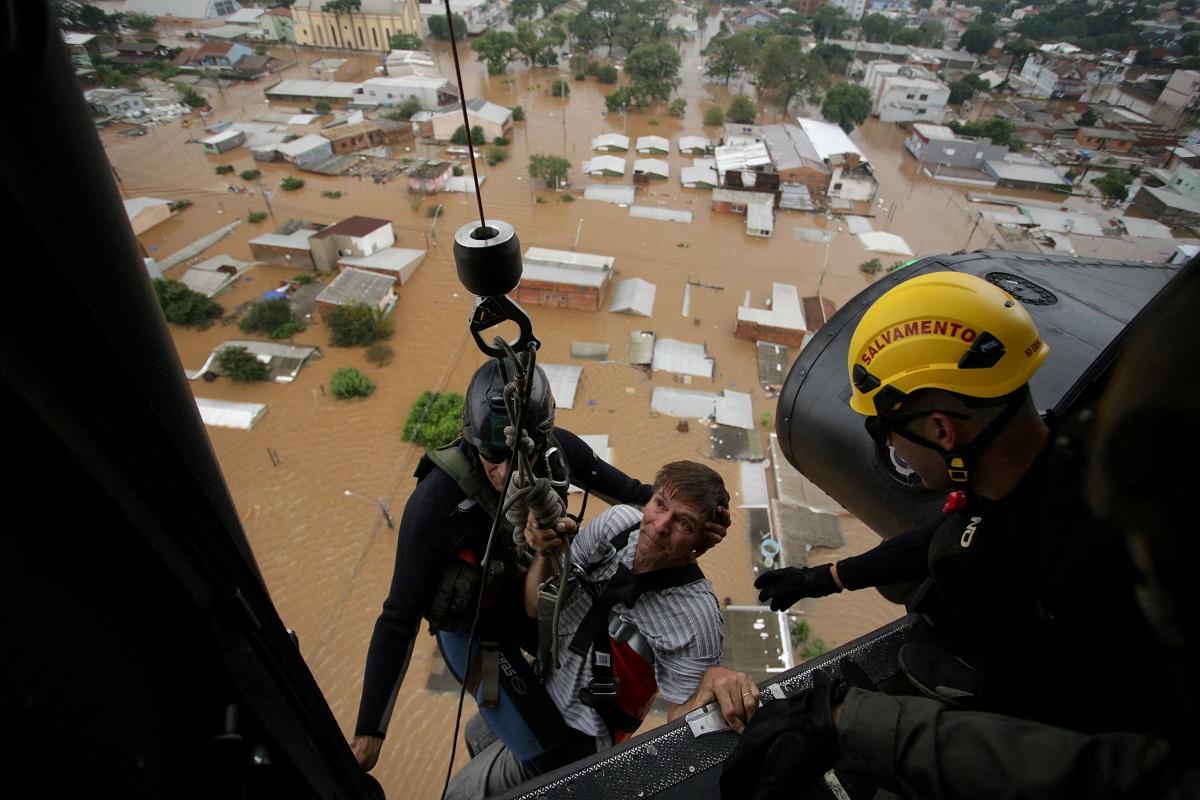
x,y
824,269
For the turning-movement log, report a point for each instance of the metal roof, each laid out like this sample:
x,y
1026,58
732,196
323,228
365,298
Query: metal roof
x,y
693,177
1173,199
604,164
652,166
564,381
741,156
1063,221
136,205
336,90
639,347
858,224
400,260
1025,173
753,485
184,9
228,414
223,136
246,16
828,139
672,355
1108,133
760,217
688,143
735,410
939,132
564,266
884,242
791,486
789,147
610,140
634,296
662,214
357,286
296,240
1145,228
785,310
303,145
619,195
646,144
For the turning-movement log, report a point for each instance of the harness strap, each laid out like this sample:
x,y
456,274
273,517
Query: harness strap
x,y
601,626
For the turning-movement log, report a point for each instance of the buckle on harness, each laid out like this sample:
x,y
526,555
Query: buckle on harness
x,y
603,687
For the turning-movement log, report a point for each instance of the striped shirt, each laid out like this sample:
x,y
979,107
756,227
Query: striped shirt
x,y
682,624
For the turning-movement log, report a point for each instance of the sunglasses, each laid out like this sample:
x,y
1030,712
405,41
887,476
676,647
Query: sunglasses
x,y
880,428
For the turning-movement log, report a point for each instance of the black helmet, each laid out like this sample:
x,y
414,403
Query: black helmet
x,y
485,416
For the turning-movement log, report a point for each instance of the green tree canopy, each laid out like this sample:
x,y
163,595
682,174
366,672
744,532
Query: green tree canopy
x,y
978,39
549,169
1114,184
847,104
829,22
356,324
439,29
348,382
241,365
272,317
182,306
713,115
140,22
654,70
741,110
787,70
876,28
522,9
497,49
404,41
728,57
835,57
619,100
434,420
478,137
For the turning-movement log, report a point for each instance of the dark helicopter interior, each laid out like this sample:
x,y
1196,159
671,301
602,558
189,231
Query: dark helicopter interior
x,y
143,654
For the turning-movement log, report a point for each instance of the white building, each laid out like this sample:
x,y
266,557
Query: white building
x,y
854,8
146,212
183,9
479,14
902,93
653,145
605,166
431,92
652,168
611,143
495,120
114,102
851,177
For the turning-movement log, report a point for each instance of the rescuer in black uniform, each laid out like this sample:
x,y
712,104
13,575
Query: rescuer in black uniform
x,y
442,537
924,748
1026,591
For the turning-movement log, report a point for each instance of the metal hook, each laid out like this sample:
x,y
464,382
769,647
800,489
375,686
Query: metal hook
x,y
491,311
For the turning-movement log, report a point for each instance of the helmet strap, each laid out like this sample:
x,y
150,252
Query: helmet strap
x,y
961,460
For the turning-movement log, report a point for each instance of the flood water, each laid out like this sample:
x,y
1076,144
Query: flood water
x,y
327,558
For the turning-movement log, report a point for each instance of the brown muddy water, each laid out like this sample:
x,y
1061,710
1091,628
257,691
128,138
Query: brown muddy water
x,y
326,557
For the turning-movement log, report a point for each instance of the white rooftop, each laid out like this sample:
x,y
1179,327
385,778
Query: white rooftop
x,y
634,296
662,214
733,408
827,138
610,140
646,144
785,310
223,136
302,145
228,414
136,205
297,240
335,90
694,176
564,381
402,261
934,131
565,266
687,143
619,195
603,164
753,482
652,166
672,355
247,16
884,242
741,156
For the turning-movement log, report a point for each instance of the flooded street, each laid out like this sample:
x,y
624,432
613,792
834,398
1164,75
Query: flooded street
x,y
327,557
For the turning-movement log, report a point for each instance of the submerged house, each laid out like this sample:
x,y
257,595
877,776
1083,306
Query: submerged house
x,y
564,279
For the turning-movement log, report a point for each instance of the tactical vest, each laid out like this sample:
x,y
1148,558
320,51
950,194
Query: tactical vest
x,y
458,590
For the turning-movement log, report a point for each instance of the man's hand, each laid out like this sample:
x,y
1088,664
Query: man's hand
x,y
366,751
736,693
714,530
784,587
545,541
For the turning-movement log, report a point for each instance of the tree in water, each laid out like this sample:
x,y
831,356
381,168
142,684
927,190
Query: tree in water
x,y
497,49
653,70
550,170
786,69
848,105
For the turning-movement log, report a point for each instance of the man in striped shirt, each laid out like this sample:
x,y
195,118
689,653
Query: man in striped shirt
x,y
640,583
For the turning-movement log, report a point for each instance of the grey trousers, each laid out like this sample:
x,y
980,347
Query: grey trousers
x,y
493,768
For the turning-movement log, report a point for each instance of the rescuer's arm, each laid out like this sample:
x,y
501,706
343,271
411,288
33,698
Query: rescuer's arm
x,y
544,542
932,751
422,547
736,693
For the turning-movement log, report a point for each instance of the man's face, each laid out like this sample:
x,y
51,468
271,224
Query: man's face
x,y
928,464
670,533
496,471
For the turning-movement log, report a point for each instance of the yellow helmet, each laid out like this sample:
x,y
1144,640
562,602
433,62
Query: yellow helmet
x,y
943,330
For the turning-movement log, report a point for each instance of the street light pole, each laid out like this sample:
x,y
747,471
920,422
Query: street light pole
x,y
383,507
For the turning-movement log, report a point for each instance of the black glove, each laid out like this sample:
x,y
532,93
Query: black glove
x,y
788,745
783,587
